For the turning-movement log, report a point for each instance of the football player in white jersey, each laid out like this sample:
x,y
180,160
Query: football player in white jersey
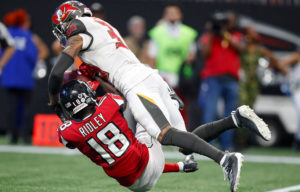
x,y
96,42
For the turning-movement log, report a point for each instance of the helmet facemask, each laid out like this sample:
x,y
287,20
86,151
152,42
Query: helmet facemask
x,y
64,14
59,33
76,97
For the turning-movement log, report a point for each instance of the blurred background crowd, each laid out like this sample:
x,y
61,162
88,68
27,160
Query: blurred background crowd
x,y
216,54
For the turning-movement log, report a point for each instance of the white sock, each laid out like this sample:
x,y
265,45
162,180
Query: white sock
x,y
223,159
181,165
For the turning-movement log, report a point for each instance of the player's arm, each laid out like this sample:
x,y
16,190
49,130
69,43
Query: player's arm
x,y
106,86
64,61
96,80
78,40
61,139
121,101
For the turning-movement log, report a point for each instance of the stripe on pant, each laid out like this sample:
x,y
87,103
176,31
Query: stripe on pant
x,y
154,111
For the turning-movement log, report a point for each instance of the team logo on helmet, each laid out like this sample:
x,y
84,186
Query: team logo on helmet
x,y
62,13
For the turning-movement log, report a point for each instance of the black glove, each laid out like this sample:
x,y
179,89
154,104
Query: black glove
x,y
174,96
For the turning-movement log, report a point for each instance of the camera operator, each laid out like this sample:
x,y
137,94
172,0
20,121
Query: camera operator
x,y
220,46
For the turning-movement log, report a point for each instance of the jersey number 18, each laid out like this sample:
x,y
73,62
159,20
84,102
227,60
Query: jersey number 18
x,y
111,136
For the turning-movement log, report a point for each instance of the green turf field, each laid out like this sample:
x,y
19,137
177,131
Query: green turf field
x,y
61,173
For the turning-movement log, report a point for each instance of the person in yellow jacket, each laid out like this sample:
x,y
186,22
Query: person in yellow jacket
x,y
171,45
172,48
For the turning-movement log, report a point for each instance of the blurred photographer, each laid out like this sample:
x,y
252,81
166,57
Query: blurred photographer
x,y
221,31
221,46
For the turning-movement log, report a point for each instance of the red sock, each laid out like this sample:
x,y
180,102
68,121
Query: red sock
x,y
171,167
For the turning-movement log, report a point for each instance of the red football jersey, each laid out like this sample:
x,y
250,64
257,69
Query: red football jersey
x,y
106,139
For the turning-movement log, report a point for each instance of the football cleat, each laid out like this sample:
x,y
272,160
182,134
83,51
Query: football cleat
x,y
189,164
231,165
244,117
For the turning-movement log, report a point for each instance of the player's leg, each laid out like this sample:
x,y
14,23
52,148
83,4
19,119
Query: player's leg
x,y
144,106
243,117
175,117
130,119
142,101
156,163
210,131
145,103
188,165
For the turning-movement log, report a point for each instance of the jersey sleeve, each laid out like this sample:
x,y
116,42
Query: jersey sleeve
x,y
94,84
77,27
118,99
61,138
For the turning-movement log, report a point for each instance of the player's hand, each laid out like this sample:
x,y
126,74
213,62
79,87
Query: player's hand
x,y
88,70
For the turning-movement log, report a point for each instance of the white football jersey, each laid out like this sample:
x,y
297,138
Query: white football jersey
x,y
107,50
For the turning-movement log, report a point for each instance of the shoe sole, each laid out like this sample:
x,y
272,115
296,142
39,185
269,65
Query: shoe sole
x,y
240,159
263,129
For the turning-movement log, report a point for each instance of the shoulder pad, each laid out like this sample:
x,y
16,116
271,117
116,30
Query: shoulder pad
x,y
75,27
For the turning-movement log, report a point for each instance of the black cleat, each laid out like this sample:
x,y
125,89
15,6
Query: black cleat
x,y
245,117
189,164
231,165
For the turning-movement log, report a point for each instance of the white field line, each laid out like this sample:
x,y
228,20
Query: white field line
x,y
168,154
287,189
248,158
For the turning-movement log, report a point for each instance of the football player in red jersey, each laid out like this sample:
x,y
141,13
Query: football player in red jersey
x,y
98,43
98,129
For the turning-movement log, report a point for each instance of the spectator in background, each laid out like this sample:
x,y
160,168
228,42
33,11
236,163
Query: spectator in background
x,y
137,43
249,84
56,50
171,46
17,77
6,46
136,38
43,50
6,51
98,10
221,47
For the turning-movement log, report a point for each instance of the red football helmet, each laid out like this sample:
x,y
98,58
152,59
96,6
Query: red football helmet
x,y
65,13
